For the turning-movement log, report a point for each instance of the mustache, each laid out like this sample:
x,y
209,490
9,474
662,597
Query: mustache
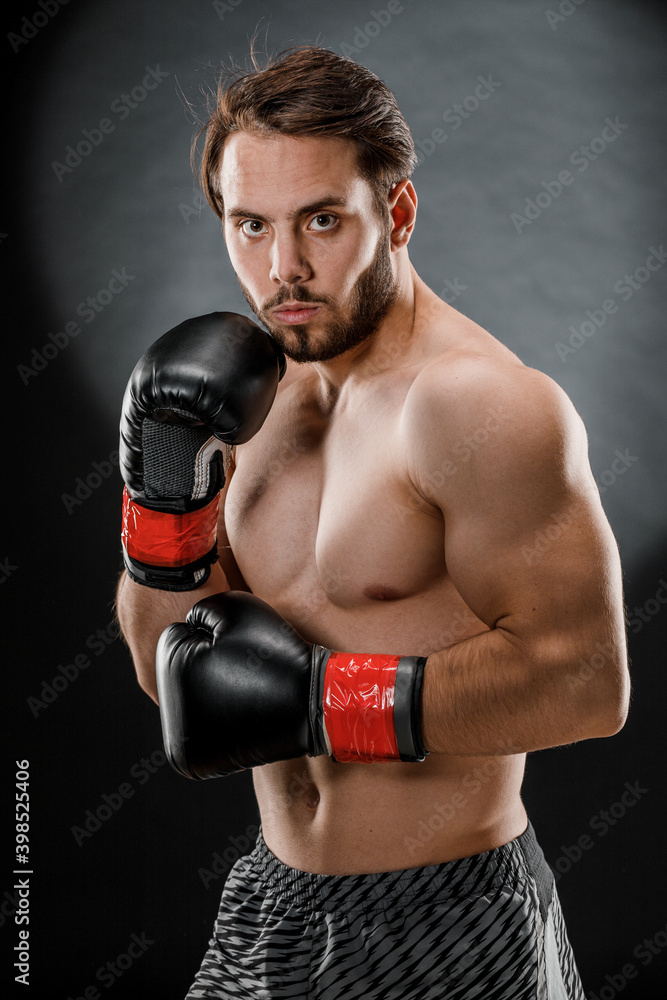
x,y
294,295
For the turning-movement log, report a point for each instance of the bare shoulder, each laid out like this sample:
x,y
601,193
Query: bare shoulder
x,y
469,369
460,384
486,411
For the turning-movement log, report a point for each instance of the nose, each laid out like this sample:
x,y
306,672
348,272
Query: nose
x,y
288,264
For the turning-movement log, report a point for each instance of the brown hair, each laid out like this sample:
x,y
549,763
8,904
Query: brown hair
x,y
308,90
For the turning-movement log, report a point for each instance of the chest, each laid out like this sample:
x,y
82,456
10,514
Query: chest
x,y
324,511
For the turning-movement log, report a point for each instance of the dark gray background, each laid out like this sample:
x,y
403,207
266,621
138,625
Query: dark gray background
x,y
132,204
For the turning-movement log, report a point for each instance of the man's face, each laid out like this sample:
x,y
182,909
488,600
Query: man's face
x,y
300,227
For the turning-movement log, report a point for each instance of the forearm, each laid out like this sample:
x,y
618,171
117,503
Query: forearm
x,y
144,612
489,695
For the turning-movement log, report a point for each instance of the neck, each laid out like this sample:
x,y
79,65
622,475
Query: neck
x,y
388,347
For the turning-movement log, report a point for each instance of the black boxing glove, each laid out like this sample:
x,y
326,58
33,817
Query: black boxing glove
x,y
238,687
204,386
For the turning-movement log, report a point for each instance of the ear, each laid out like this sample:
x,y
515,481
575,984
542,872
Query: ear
x,y
403,211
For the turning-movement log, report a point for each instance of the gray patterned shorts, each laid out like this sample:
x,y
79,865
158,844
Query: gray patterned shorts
x,y
487,927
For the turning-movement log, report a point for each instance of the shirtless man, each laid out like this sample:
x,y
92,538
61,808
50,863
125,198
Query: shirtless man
x,y
413,490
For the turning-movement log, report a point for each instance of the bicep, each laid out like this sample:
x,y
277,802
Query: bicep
x,y
543,572
527,544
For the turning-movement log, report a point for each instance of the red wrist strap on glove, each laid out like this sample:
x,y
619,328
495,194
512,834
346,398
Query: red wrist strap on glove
x,y
159,538
371,707
169,551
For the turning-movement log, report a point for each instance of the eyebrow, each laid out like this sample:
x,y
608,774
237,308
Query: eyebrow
x,y
333,201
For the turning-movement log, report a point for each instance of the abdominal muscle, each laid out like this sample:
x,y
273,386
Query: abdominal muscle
x,y
322,816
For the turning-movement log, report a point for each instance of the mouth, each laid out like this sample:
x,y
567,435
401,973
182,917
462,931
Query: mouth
x,y
295,313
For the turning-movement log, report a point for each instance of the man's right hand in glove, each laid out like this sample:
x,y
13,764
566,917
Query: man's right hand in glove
x,y
208,383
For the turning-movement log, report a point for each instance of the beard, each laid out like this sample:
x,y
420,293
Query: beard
x,y
372,296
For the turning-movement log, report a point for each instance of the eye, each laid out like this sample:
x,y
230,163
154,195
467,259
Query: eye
x,y
255,227
325,221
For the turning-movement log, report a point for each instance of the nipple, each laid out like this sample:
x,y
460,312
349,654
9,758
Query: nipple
x,y
381,594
